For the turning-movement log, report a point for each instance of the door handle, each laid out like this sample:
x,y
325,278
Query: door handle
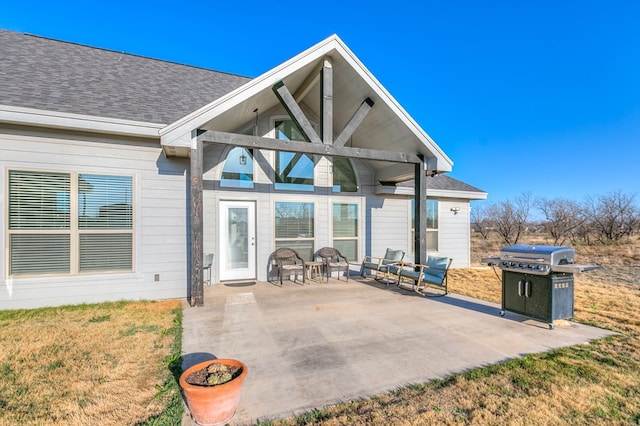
x,y
520,288
527,289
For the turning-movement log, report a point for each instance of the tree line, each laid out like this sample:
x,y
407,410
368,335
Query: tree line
x,y
607,218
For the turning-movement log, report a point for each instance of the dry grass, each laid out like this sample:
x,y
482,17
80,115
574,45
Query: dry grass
x,y
100,364
596,383
85,364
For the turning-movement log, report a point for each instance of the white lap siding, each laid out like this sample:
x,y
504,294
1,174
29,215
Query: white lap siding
x,y
160,209
454,229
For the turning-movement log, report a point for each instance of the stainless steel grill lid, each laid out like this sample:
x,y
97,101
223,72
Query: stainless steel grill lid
x,y
538,259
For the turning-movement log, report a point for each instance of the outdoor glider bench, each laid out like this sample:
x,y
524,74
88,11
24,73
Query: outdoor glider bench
x,y
383,266
434,274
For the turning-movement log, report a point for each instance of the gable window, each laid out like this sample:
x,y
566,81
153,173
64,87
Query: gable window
x,y
431,225
294,171
344,178
69,223
238,169
345,230
294,227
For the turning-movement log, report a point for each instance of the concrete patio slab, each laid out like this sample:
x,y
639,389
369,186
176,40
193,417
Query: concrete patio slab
x,y
307,346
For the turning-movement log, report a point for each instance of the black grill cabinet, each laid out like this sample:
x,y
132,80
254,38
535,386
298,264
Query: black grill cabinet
x,y
544,297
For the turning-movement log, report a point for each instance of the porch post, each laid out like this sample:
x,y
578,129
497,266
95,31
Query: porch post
x,y
420,212
196,158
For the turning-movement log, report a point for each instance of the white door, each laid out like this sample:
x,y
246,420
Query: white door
x,y
237,240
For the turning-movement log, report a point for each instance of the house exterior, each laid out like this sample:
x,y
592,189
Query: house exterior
x,y
118,173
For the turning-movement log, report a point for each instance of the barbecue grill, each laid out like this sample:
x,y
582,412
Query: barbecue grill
x,y
537,281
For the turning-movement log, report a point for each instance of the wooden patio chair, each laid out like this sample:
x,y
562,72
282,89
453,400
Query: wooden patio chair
x,y
288,262
383,266
333,261
434,274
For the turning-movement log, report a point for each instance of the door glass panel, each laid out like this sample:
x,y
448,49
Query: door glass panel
x,y
238,238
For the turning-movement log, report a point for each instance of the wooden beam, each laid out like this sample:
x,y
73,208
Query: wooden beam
x,y
326,102
420,213
354,122
196,167
295,112
258,142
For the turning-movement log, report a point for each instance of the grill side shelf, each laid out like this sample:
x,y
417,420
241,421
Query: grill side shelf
x,y
573,268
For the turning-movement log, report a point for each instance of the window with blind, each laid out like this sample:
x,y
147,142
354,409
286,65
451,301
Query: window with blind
x,y
345,230
69,223
294,227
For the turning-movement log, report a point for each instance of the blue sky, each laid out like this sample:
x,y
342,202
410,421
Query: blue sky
x,y
540,97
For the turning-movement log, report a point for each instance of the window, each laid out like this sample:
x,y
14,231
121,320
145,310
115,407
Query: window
x,y
295,227
69,223
294,171
432,224
238,169
344,178
345,230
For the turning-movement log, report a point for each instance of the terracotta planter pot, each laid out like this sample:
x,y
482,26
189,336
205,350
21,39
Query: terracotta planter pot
x,y
213,405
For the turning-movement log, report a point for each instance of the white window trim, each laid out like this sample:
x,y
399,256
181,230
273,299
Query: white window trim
x,y
315,221
412,248
361,228
74,232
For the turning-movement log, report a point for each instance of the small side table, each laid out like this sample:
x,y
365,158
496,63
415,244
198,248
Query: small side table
x,y
314,270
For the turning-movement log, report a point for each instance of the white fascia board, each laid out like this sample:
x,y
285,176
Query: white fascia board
x,y
444,162
263,82
70,121
431,193
465,195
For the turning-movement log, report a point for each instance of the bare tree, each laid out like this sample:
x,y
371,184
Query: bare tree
x,y
510,217
563,218
480,220
612,216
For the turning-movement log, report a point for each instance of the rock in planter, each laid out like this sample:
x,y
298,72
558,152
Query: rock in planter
x,y
212,390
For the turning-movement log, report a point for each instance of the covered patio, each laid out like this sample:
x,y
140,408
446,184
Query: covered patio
x,y
307,346
355,118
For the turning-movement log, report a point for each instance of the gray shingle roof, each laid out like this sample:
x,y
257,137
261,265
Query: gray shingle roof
x,y
444,183
54,75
